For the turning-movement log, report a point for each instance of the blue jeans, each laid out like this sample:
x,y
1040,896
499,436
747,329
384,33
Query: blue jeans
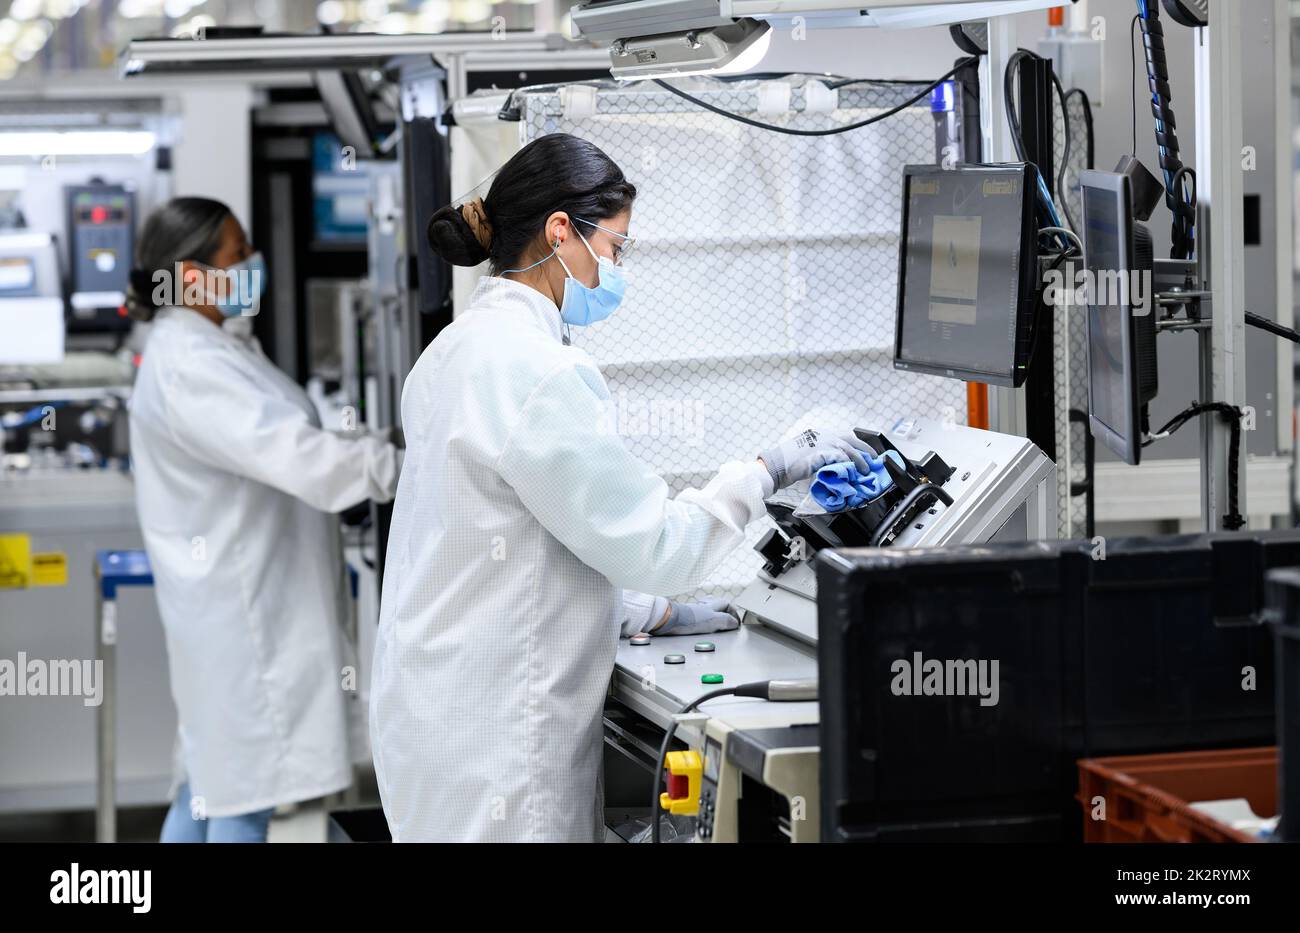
x,y
181,826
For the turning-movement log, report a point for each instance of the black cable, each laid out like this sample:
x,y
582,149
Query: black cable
x,y
1061,191
1088,486
1013,121
821,76
845,82
830,80
1008,102
827,132
663,755
1273,327
1166,126
1133,77
1232,414
1177,183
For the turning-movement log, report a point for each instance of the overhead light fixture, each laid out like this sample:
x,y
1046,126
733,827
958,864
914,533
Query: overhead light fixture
x,y
657,38
733,48
25,9
76,143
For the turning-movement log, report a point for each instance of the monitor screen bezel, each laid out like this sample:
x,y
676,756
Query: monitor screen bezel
x,y
1127,445
1026,292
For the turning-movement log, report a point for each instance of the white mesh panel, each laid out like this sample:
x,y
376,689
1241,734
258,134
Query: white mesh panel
x,y
1071,349
763,283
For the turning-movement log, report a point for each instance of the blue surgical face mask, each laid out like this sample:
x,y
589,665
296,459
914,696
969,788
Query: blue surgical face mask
x,y
582,304
244,289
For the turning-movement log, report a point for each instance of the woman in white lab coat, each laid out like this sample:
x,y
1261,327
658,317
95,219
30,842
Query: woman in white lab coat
x,y
235,482
521,518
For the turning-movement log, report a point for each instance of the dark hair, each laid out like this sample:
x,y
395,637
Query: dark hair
x,y
183,228
556,172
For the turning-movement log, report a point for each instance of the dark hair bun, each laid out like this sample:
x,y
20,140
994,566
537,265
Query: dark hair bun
x,y
461,234
140,290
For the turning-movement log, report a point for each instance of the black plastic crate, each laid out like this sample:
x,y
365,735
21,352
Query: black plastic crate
x,y
1141,651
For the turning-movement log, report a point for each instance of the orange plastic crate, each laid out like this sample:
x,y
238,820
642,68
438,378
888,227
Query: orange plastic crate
x,y
1147,796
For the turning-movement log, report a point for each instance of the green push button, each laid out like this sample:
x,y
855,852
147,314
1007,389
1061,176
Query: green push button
x,y
710,678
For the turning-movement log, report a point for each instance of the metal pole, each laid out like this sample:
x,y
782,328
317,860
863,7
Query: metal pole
x,y
105,719
1219,247
1283,234
1006,405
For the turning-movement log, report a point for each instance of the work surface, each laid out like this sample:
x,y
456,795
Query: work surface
x,y
656,690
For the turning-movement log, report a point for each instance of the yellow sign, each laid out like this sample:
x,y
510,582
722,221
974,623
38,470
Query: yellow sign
x,y
50,569
15,561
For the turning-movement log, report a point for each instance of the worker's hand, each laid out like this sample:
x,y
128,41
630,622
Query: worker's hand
x,y
712,615
808,451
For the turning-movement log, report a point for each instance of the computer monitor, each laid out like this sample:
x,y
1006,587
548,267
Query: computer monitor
x,y
1121,319
968,272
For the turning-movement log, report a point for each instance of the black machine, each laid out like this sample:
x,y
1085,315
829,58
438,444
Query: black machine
x,y
1152,645
1120,264
1284,613
968,278
917,485
101,244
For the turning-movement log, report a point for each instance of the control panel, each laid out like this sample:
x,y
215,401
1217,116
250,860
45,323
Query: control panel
x,y
101,238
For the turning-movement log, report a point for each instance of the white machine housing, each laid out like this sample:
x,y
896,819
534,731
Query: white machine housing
x,y
1003,488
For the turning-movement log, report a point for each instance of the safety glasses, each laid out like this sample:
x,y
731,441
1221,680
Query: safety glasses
x,y
623,245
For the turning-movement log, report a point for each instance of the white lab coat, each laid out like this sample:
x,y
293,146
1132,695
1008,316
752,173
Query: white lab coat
x,y
519,515
235,480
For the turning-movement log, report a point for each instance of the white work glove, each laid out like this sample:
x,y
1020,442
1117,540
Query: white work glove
x,y
801,456
712,615
658,615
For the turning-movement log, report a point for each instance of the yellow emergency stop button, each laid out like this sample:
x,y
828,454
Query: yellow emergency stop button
x,y
684,773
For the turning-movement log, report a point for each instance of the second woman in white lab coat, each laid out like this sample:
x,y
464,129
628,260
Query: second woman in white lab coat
x,y
235,485
521,517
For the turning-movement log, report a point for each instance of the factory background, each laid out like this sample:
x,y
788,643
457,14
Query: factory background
x,y
332,156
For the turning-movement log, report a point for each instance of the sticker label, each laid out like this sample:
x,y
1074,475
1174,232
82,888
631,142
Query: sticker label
x,y
50,569
15,561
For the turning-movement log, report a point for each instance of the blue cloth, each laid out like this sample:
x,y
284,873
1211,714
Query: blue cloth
x,y
843,486
181,826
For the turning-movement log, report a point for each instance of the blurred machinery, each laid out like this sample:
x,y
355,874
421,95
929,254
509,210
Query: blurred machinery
x,y
65,492
101,236
67,362
748,770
